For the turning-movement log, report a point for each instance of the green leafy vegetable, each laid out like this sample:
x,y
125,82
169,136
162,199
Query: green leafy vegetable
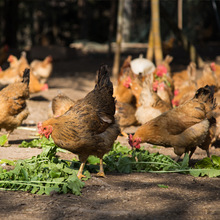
x,y
207,167
124,160
46,173
42,174
3,140
41,143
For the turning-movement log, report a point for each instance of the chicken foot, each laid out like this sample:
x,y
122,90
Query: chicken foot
x,y
124,134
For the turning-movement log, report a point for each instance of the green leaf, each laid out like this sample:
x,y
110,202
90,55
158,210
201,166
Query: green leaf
x,y
24,174
59,180
162,186
64,188
48,190
185,162
93,160
68,170
41,191
204,163
41,143
205,172
35,189
8,162
55,173
3,140
124,165
216,160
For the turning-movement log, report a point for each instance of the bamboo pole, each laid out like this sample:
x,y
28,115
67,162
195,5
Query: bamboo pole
x,y
116,63
155,16
150,49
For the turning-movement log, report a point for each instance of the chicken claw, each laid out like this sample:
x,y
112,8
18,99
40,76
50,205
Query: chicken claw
x,y
101,174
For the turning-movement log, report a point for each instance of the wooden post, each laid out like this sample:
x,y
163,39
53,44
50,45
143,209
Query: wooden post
x,y
116,63
155,17
180,14
150,49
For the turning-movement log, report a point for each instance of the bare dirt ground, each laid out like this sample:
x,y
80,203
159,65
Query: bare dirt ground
x,y
119,196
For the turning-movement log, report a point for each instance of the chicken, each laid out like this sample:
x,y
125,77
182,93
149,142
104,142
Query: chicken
x,y
163,80
151,104
183,128
136,86
184,95
188,87
42,69
164,92
123,92
185,77
125,115
142,66
216,68
208,77
13,61
61,104
126,67
35,85
10,75
13,103
211,136
166,63
89,127
15,72
216,114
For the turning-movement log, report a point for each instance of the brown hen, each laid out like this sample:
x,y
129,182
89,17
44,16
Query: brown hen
x,y
61,104
13,103
42,69
183,128
89,127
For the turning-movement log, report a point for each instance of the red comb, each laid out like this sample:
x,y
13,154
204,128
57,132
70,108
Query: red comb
x,y
212,65
44,87
10,58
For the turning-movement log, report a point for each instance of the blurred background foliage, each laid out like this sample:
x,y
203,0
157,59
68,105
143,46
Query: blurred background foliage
x,y
27,23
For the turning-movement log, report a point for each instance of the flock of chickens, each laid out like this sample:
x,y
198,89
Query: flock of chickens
x,y
20,79
176,110
172,110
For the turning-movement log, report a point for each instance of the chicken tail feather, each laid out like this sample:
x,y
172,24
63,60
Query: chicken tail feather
x,y
104,78
26,76
206,95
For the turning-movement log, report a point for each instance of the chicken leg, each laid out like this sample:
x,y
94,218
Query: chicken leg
x,y
101,171
79,174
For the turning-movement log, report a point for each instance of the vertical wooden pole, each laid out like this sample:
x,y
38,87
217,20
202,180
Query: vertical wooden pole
x,y
150,49
180,14
155,15
116,63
